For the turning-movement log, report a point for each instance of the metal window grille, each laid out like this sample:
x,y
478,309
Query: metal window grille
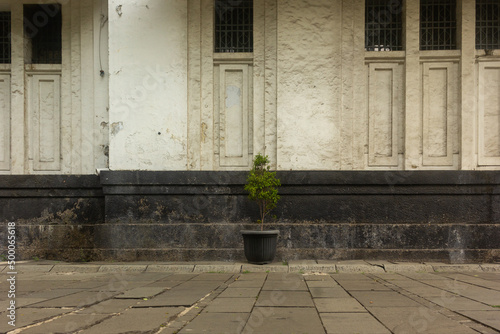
x,y
383,25
487,24
42,28
5,38
234,26
438,25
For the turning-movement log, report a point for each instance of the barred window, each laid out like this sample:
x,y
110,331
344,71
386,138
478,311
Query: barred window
x,y
383,25
234,26
42,29
487,24
438,25
5,38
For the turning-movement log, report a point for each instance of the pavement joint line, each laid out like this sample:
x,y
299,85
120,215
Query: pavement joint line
x,y
209,297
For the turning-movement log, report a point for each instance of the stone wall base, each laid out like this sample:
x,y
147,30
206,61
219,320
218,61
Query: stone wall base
x,y
450,216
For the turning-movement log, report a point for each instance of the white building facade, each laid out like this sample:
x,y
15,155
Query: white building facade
x,y
309,91
171,99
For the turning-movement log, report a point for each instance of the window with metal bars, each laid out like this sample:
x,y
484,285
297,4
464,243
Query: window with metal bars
x,y
383,25
233,26
5,38
487,24
438,25
42,30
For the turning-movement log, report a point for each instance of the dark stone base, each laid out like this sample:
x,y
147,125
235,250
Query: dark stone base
x,y
450,216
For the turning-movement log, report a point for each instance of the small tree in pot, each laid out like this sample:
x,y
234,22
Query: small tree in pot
x,y
262,186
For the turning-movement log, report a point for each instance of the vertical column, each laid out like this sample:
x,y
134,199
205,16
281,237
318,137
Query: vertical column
x,y
87,82
76,101
101,84
207,86
468,106
271,63
5,121
413,119
66,89
257,136
194,85
18,140
360,97
346,114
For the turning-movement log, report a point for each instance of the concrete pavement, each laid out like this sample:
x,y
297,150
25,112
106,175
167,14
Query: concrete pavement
x,y
220,297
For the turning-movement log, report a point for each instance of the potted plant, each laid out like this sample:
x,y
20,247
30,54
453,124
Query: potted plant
x,y
262,187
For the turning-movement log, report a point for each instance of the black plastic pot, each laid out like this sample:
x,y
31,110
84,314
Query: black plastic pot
x,y
260,246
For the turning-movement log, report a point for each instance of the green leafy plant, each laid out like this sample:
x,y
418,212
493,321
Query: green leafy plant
x,y
262,186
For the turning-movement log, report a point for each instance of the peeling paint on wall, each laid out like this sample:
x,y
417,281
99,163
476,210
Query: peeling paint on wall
x,y
116,127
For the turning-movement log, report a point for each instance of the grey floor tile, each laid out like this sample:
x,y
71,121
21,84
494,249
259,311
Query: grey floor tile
x,y
349,323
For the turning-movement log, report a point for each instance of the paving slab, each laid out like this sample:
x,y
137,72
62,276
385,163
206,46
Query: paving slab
x,y
232,292
164,284
475,280
252,277
417,320
143,276
26,286
348,323
53,293
212,277
458,303
136,320
492,276
246,283
488,318
328,293
284,320
351,277
29,316
217,268
178,277
79,299
477,293
291,284
323,284
363,286
24,301
85,284
110,306
422,276
285,299
217,323
335,305
67,324
140,293
383,299
230,305
170,268
178,296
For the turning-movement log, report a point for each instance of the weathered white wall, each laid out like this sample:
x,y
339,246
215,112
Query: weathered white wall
x,y
308,84
148,84
311,97
54,116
